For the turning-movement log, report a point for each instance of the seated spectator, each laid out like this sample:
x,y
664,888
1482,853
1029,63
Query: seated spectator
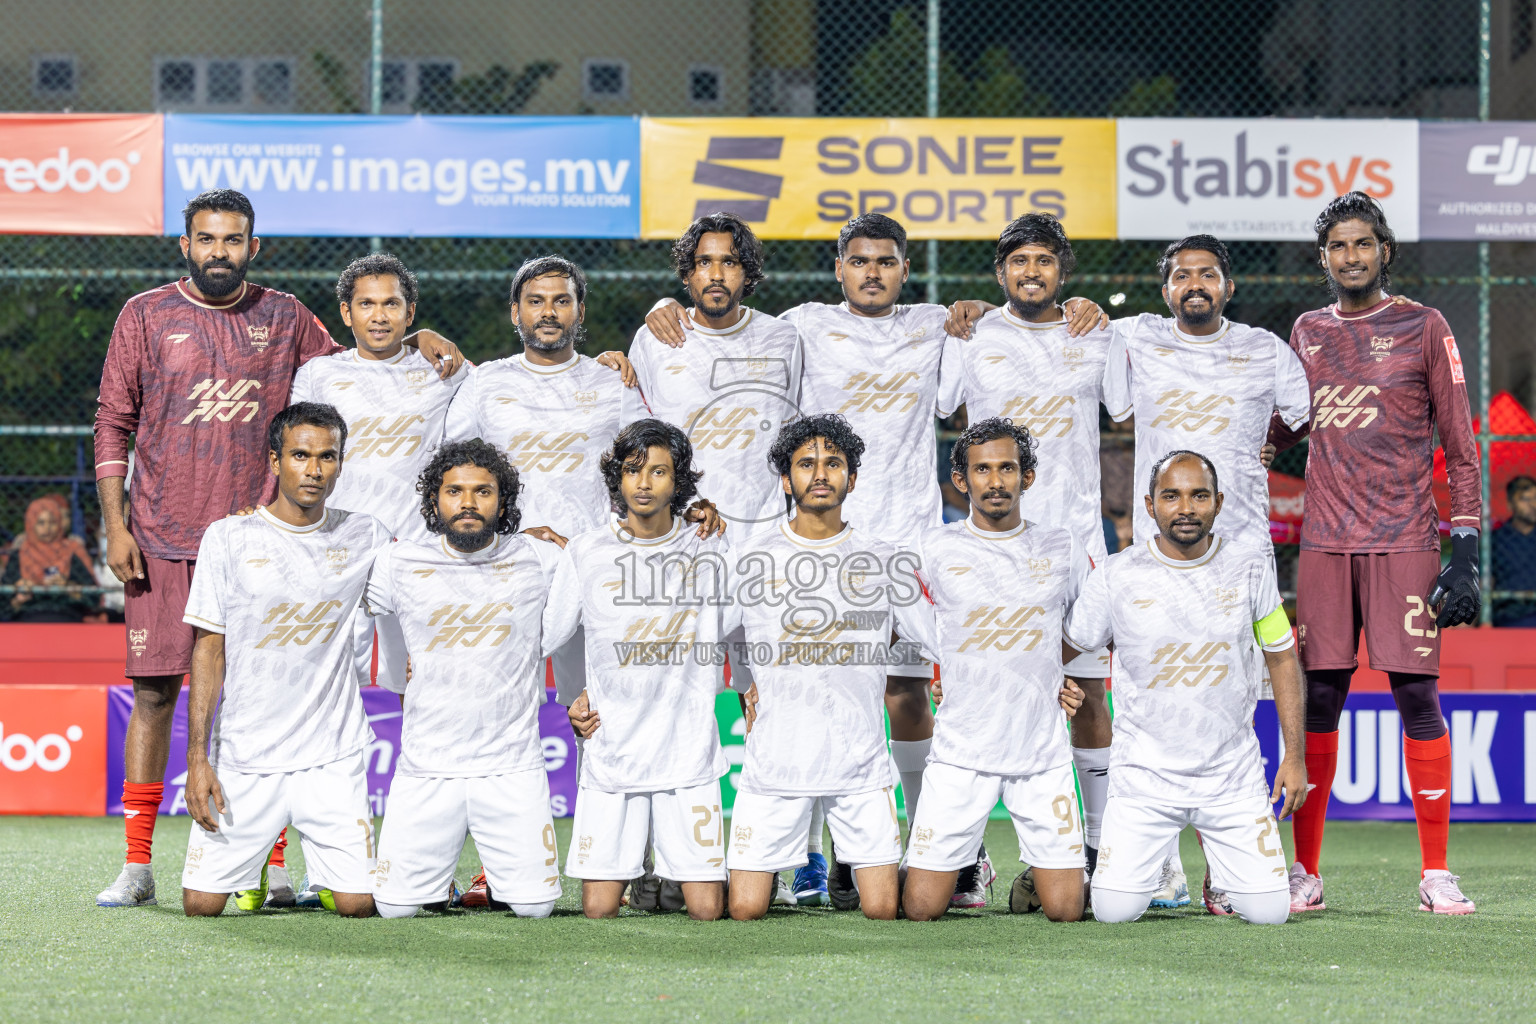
x,y
1514,555
46,556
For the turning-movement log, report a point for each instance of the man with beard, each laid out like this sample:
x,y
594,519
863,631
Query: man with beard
x,y
1386,378
1000,587
471,762
193,373
1021,362
1196,620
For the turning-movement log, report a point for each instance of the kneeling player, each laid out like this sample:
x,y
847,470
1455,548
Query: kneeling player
x,y
479,609
272,603
1195,618
1000,588
651,604
819,597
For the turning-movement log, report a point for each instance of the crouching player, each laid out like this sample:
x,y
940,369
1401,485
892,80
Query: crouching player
x,y
1195,618
272,604
652,595
1001,588
478,609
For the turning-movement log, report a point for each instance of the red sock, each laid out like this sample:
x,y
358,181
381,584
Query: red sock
x,y
141,802
1429,773
1322,758
276,860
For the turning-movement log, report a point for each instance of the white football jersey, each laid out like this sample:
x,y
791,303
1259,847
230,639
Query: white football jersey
x,y
1188,668
1212,395
731,390
1040,377
395,410
284,597
554,423
818,616
652,612
999,601
477,628
883,374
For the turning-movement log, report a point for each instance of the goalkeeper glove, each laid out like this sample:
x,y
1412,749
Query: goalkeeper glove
x,y
1458,589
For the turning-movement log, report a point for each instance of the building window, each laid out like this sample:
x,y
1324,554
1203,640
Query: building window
x,y
53,76
706,85
176,83
392,84
1522,26
408,84
225,83
272,83
434,84
603,79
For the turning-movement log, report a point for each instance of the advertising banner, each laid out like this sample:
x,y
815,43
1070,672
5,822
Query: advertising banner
x,y
1260,179
80,174
549,177
53,749
942,178
1478,180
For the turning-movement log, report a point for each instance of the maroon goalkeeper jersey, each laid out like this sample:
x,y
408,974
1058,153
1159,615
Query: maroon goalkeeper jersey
x,y
1382,382
196,385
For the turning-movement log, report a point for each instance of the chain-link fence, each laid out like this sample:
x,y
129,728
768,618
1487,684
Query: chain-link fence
x,y
1296,58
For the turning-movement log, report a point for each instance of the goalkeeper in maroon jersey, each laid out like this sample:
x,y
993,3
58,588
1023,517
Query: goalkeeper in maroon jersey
x,y
1385,377
195,371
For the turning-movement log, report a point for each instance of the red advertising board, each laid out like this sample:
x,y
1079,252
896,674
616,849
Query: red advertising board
x,y
81,174
53,749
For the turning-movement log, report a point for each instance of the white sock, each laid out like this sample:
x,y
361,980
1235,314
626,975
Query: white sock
x,y
818,822
1093,779
396,909
538,909
911,757
1174,860
1111,907
1262,907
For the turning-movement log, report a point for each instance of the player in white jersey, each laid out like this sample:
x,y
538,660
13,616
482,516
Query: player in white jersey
x,y
1021,362
1195,619
1001,587
652,596
818,599
1199,381
272,604
478,608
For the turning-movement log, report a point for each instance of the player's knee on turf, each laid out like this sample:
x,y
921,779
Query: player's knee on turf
x,y
534,910
1111,907
879,891
925,894
601,899
1262,907
750,892
705,900
396,910
203,904
1061,894
353,904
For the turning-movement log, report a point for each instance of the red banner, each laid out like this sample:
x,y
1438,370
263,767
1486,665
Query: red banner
x,y
53,749
81,174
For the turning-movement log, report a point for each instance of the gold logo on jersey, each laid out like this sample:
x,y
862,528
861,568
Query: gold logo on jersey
x,y
194,858
1227,599
1311,350
584,844
1042,415
138,642
1192,411
547,451
658,639
742,836
959,570
459,626
300,624
1381,348
258,336
503,570
675,368
917,337
1072,357
423,573
1238,364
216,401
722,429
381,872
177,339
417,379
384,437
1000,628
1333,406
1190,664
336,559
994,360
342,385
257,562
1040,569
922,838
1144,602
1162,350
586,401
871,392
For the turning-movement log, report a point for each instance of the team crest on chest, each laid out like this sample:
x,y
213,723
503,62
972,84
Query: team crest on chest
x,y
260,336
1072,357
1238,364
1381,348
1040,569
503,570
1228,599
417,379
336,559
586,401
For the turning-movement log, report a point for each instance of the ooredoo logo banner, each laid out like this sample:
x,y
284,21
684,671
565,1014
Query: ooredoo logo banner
x,y
81,174
1260,179
53,749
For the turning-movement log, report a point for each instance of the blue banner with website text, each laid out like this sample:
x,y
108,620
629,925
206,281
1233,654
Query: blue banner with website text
x,y
530,177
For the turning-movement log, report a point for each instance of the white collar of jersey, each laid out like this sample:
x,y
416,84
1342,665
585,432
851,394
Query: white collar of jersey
x,y
994,535
398,357
289,527
244,285
622,533
1385,304
522,360
889,314
805,542
489,551
1009,315
720,332
1192,339
1193,563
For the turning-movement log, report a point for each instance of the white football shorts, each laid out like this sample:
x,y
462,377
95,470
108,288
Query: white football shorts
x,y
769,833
952,816
685,826
1241,842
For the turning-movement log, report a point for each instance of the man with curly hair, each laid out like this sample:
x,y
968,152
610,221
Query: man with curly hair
x,y
478,608
652,595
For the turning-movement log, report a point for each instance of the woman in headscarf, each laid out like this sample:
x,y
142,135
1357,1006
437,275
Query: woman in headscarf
x,y
46,556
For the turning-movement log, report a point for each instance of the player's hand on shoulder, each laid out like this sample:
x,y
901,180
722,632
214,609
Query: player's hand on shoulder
x,y
1267,455
440,352
1070,697
937,689
963,316
1083,315
249,510
1403,300
711,522
545,533
584,721
616,360
749,706
668,321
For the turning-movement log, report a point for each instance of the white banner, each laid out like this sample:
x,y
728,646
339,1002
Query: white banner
x,y
1240,178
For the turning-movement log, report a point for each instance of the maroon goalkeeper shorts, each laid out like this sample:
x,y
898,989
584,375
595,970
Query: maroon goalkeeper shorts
x,y
1386,594
159,643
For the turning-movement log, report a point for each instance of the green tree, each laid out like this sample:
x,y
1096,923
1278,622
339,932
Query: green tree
x,y
1155,97
498,91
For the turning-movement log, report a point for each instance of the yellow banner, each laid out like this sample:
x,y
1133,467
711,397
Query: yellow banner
x,y
792,177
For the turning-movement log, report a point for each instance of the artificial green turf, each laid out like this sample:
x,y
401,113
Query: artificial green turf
x,y
1371,956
